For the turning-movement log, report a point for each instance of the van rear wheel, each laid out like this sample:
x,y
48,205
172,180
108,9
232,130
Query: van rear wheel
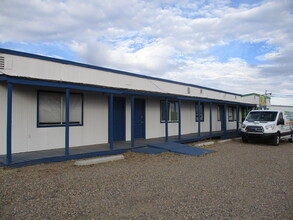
x,y
291,140
276,140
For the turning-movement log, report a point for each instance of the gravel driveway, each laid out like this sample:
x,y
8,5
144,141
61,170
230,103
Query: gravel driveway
x,y
239,181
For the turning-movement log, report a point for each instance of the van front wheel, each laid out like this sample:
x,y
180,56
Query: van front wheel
x,y
276,140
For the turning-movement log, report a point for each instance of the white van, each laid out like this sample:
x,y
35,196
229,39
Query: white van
x,y
267,124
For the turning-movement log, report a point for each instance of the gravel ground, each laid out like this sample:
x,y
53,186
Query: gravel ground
x,y
239,181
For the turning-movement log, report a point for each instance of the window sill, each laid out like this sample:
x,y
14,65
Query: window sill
x,y
170,122
57,125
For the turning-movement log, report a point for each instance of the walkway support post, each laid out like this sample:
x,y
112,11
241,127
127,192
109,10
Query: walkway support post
x,y
225,118
132,121
67,115
166,119
198,118
237,117
179,119
110,122
211,119
9,124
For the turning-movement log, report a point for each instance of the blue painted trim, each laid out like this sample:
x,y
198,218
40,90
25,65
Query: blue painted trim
x,y
9,123
198,118
3,78
237,117
132,121
67,115
35,82
211,119
59,125
179,119
225,118
166,121
34,56
110,122
64,158
104,153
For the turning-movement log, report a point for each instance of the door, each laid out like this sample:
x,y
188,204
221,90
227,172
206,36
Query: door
x,y
223,118
119,118
139,118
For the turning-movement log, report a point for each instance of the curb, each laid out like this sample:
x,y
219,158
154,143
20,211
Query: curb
x,y
98,160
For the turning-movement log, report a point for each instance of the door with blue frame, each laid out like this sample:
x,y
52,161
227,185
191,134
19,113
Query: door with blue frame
x,y
119,118
139,118
223,118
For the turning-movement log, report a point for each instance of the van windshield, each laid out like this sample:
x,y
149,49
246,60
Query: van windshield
x,y
262,116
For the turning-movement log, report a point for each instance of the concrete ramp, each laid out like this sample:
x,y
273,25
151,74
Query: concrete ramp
x,y
179,148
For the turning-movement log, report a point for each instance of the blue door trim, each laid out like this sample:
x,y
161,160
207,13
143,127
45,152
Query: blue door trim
x,y
119,118
139,118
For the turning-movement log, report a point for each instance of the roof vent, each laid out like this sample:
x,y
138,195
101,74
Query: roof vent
x,y
1,63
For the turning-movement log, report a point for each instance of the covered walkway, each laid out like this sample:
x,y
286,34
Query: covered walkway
x,y
58,155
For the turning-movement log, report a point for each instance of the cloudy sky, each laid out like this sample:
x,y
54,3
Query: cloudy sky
x,y
240,46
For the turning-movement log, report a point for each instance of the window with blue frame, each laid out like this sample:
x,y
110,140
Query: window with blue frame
x,y
231,113
172,111
52,109
201,112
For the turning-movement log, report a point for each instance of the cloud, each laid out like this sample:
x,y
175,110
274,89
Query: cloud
x,y
165,38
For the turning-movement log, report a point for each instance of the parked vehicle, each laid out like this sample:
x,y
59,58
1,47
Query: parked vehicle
x,y
267,125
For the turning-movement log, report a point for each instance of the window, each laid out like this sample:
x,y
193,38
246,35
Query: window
x,y
231,113
201,112
262,116
219,115
52,109
172,111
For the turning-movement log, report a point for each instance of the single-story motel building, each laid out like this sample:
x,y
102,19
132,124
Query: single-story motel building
x,y
55,110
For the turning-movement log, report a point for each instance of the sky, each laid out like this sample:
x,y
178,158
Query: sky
x,y
241,46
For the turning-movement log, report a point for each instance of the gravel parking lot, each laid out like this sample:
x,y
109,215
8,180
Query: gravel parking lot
x,y
239,181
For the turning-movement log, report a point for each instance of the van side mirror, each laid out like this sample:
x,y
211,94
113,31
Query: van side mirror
x,y
281,121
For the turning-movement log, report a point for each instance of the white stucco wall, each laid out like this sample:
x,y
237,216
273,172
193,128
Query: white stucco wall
x,y
3,116
188,124
26,136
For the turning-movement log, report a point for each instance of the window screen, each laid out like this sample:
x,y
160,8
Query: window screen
x,y
231,113
201,112
52,108
172,111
